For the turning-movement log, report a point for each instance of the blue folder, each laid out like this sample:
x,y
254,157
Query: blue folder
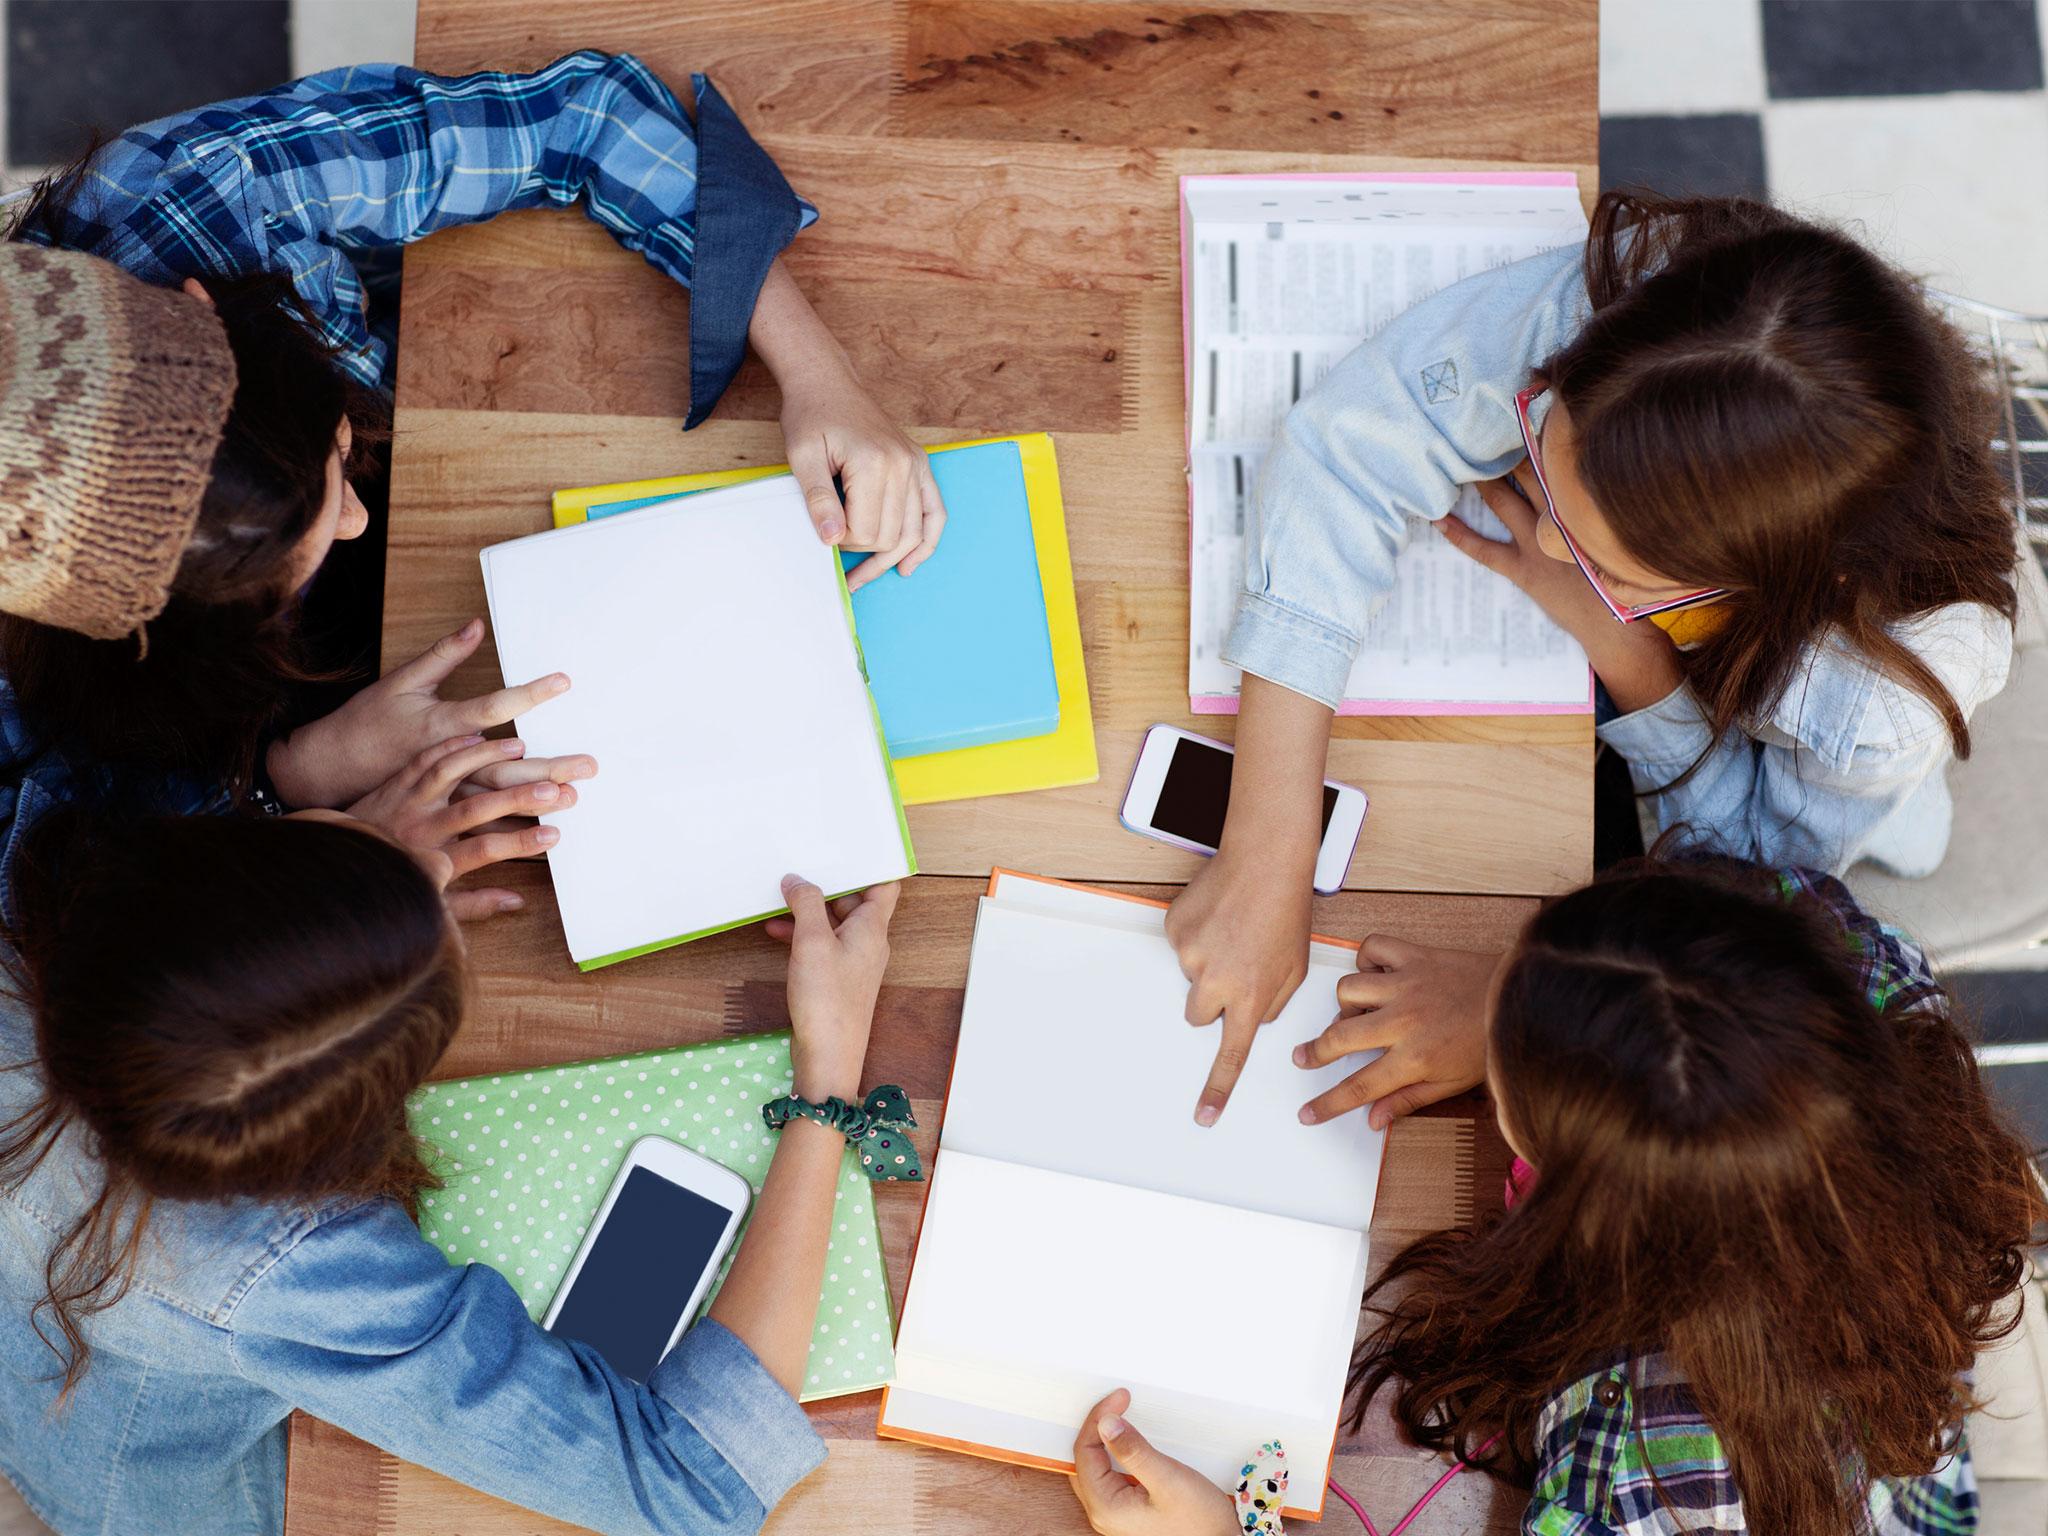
x,y
958,654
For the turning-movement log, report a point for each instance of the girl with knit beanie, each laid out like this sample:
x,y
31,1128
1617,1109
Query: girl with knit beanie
x,y
193,359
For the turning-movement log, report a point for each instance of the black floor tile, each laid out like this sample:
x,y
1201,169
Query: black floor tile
x,y
2001,1007
2022,1092
73,66
1710,156
1899,47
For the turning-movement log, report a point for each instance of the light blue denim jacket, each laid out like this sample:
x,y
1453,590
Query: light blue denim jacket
x,y
1847,765
242,1312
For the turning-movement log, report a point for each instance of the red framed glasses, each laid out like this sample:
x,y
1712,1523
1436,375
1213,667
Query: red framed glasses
x,y
1626,613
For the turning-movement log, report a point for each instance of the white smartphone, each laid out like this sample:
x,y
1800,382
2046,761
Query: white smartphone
x,y
649,1256
1180,791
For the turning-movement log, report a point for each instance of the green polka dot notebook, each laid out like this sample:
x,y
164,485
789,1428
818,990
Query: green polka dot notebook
x,y
526,1158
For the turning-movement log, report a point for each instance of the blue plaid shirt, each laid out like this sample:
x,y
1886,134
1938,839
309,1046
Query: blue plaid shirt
x,y
326,176
1625,1451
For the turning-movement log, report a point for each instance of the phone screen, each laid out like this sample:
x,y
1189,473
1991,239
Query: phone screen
x,y
1196,792
641,1271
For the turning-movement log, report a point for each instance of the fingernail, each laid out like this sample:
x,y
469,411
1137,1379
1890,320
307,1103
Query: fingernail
x,y
830,530
791,880
1308,1115
1301,1054
473,627
510,903
545,791
1207,1115
470,741
559,683
1109,1426
546,836
511,746
584,768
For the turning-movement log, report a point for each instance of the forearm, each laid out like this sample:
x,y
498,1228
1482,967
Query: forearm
x,y
788,336
770,1297
1283,746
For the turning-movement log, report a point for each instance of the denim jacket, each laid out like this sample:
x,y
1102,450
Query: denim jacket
x,y
241,1312
1846,765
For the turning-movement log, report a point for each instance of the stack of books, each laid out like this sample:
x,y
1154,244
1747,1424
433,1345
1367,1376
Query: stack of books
x,y
975,660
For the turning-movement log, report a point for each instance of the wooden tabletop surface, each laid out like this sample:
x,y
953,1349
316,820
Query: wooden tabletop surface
x,y
998,252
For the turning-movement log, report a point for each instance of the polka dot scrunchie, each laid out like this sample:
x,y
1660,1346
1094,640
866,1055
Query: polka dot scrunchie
x,y
878,1128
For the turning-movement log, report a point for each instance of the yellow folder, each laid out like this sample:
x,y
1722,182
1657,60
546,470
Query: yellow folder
x,y
1067,755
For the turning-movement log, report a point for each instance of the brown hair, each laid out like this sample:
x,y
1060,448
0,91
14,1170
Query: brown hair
x,y
227,1008
1810,1208
1762,404
223,656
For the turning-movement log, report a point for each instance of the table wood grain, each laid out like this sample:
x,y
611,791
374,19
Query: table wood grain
x,y
998,252
998,249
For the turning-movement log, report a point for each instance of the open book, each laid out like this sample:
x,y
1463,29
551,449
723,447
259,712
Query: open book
x,y
715,679
1082,1233
1281,277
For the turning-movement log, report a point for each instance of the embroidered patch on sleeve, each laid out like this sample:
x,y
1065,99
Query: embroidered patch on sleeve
x,y
1440,381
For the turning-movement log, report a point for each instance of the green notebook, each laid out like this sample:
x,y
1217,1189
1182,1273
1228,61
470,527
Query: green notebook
x,y
526,1159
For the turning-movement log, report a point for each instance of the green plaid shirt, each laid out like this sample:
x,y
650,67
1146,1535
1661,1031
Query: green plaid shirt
x,y
1625,1451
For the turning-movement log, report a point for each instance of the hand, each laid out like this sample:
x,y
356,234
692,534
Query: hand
x,y
1558,586
1637,662
1241,931
420,809
343,756
833,426
836,958
1425,1009
1168,1498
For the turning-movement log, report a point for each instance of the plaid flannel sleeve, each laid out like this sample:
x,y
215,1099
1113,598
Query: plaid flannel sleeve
x,y
374,156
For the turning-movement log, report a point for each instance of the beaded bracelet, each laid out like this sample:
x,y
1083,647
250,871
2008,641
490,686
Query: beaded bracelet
x,y
878,1128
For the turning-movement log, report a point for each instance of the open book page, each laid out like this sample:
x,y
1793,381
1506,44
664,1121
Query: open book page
x,y
1035,1294
716,682
1075,1056
1285,277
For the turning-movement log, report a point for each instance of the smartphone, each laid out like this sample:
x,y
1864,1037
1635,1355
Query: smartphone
x,y
1180,791
649,1256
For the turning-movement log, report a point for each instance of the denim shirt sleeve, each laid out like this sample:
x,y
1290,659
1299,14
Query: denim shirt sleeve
x,y
362,1322
379,155
1843,753
1423,407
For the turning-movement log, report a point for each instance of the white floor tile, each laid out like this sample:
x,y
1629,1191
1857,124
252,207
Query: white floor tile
x,y
327,33
1659,56
1952,187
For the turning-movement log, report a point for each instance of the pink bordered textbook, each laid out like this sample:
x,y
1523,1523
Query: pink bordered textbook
x,y
1281,277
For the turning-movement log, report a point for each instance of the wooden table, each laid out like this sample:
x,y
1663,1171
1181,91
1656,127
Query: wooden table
x,y
998,252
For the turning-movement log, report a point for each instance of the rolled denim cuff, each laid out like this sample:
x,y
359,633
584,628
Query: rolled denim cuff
x,y
746,215
1672,733
1298,652
715,1382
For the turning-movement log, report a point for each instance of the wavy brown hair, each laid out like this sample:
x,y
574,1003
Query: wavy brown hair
x,y
225,1008
1810,1208
1762,404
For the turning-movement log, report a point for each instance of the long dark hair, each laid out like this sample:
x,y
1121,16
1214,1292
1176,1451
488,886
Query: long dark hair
x,y
1809,1207
1762,404
222,657
227,1008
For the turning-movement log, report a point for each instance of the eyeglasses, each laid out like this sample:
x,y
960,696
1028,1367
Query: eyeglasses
x,y
1627,613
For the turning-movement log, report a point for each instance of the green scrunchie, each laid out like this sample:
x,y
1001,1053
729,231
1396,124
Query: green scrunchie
x,y
878,1128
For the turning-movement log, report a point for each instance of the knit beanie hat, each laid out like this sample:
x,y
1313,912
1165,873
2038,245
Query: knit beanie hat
x,y
113,397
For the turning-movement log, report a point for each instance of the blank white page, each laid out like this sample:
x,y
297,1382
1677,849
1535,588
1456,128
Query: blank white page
x,y
1034,1294
715,679
1075,1056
